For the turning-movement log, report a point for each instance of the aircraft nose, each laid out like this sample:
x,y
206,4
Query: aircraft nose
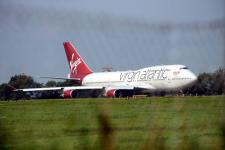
x,y
194,78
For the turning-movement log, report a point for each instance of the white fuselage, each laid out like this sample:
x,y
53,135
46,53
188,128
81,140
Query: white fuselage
x,y
165,77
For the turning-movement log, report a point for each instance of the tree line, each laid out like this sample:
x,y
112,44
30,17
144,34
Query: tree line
x,y
207,84
22,81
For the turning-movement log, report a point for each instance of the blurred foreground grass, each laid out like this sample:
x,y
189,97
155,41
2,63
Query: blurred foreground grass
x,y
156,123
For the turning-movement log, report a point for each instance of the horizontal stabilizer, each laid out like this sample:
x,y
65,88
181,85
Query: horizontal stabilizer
x,y
61,78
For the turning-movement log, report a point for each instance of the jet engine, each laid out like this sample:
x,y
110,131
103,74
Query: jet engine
x,y
70,94
118,93
113,93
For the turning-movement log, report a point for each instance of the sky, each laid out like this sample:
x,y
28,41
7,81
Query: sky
x,y
123,34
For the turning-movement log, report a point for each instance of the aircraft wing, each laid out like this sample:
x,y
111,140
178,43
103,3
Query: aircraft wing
x,y
83,88
149,87
132,87
109,91
125,87
59,88
39,89
145,86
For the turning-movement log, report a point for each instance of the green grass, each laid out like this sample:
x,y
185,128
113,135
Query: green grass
x,y
168,122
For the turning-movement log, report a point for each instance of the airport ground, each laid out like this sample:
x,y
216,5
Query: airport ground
x,y
141,123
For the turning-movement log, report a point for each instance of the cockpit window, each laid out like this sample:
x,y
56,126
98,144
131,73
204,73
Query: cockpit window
x,y
184,68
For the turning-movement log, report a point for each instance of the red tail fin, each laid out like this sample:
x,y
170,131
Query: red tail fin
x,y
78,68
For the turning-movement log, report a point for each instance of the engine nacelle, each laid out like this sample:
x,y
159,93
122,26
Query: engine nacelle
x,y
70,94
118,93
113,93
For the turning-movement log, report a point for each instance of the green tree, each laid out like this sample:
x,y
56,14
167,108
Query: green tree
x,y
218,83
23,81
209,84
51,84
51,93
5,92
204,86
67,83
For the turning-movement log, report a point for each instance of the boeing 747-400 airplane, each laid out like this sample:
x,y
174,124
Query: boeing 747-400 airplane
x,y
120,83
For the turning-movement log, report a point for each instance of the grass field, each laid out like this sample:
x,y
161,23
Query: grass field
x,y
144,123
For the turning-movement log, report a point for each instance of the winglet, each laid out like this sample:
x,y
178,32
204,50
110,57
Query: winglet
x,y
11,88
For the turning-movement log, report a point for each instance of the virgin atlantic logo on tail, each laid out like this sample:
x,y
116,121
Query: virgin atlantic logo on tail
x,y
74,63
